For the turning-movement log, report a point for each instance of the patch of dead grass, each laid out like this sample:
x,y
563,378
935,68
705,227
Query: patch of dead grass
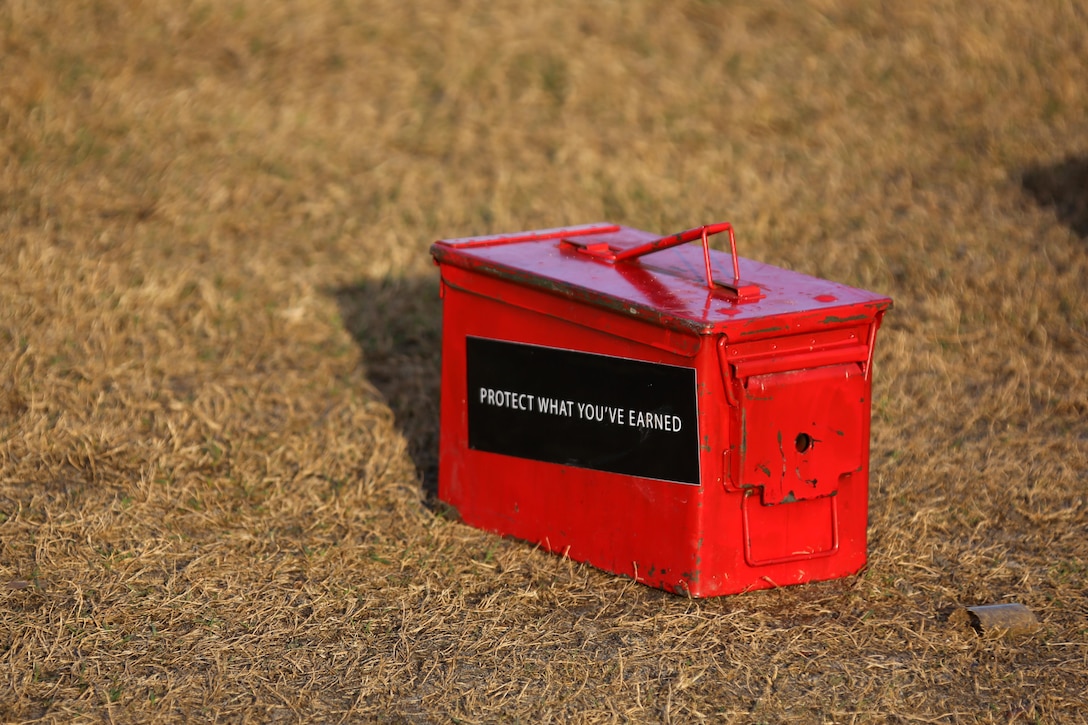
x,y
218,377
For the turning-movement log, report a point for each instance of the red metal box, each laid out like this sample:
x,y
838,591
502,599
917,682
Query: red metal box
x,y
629,401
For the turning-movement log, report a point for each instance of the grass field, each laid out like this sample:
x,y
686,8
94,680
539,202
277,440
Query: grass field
x,y
219,339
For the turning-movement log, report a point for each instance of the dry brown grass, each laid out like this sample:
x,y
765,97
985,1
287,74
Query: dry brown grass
x,y
218,374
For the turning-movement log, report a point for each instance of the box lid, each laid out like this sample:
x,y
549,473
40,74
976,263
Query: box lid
x,y
664,280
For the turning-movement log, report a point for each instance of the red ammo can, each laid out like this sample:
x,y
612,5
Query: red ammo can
x,y
633,402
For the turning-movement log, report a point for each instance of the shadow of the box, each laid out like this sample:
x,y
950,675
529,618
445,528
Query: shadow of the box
x,y
1064,187
397,324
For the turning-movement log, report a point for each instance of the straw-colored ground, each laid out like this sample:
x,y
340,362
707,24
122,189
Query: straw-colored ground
x,y
219,333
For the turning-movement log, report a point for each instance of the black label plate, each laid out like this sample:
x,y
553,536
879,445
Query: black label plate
x,y
585,410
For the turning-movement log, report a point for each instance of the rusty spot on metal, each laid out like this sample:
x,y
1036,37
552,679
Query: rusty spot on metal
x,y
835,320
760,331
743,432
782,452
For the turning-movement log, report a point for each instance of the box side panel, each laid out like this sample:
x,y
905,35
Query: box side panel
x,y
643,526
793,484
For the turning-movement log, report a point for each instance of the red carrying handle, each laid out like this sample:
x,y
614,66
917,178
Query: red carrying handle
x,y
742,291
689,235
